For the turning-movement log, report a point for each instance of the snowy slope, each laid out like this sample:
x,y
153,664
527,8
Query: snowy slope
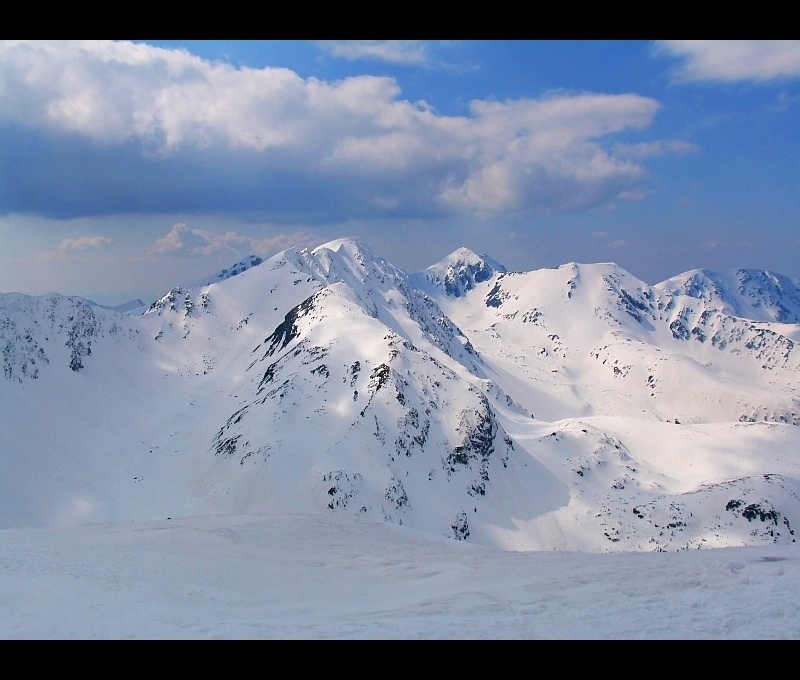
x,y
753,294
607,361
575,408
314,577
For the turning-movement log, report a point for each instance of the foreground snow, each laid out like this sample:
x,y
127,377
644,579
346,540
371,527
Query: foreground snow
x,y
318,577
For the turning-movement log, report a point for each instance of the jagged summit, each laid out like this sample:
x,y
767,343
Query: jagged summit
x,y
459,272
345,259
180,295
756,294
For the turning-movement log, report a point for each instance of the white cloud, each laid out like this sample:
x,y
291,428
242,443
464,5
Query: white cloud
x,y
543,153
395,51
620,243
195,241
510,156
660,147
299,239
84,243
72,245
172,241
734,60
216,242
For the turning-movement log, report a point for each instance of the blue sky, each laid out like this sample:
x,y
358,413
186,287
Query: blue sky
x,y
129,167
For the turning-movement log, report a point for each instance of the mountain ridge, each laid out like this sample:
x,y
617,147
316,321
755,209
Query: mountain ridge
x,y
510,409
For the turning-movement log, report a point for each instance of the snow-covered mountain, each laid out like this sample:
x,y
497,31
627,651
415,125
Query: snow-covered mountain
x,y
575,408
753,294
458,273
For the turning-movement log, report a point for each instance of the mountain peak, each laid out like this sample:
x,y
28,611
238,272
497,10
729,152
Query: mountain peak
x,y
464,256
342,259
460,272
345,246
755,294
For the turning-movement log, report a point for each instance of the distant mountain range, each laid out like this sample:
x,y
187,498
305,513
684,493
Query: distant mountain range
x,y
575,408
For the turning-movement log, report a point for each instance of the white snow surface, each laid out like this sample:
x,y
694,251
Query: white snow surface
x,y
322,446
317,577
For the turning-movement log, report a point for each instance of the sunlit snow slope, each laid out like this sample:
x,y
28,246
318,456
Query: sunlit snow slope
x,y
575,408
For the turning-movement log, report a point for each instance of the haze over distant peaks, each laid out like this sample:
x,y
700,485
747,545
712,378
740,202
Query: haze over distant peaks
x,y
124,308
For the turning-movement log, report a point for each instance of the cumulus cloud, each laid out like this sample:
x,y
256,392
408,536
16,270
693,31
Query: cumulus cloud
x,y
395,51
182,238
544,154
84,243
353,142
172,241
733,60
196,241
216,242
72,245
